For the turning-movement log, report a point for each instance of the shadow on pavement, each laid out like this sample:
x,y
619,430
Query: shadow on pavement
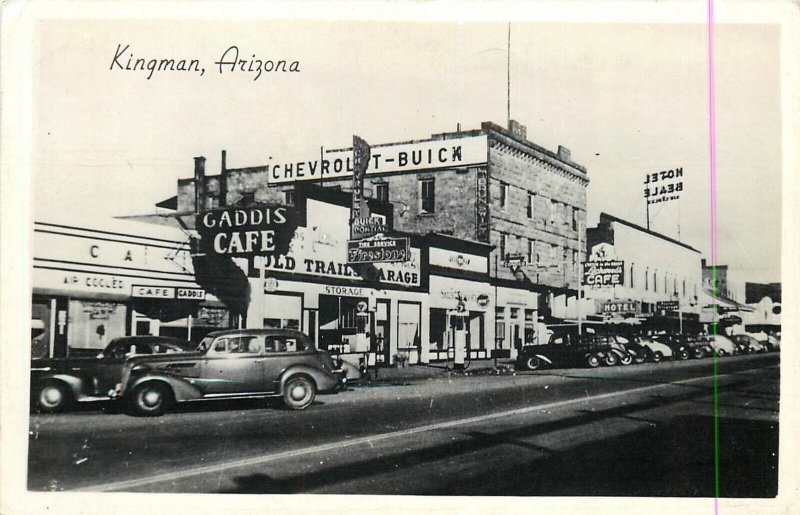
x,y
673,459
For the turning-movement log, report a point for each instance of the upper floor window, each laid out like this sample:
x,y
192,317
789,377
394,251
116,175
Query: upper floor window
x,y
503,245
427,196
531,198
530,251
382,191
289,197
503,194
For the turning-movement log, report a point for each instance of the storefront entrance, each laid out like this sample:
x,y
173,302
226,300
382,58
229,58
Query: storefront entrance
x,y
446,329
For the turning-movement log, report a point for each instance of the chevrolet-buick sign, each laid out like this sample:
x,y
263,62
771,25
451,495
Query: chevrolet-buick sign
x,y
401,158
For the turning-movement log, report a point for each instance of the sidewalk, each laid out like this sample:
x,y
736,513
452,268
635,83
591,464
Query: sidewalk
x,y
391,375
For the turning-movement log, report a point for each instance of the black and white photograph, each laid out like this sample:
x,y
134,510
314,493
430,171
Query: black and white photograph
x,y
354,257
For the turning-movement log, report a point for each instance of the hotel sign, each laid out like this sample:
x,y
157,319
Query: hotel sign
x,y
663,186
398,158
621,307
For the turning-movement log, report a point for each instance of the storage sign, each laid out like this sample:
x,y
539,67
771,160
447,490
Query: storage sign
x,y
603,273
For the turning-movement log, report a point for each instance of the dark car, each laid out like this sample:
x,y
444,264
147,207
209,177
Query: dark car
x,y
233,364
639,353
588,350
680,344
59,382
746,344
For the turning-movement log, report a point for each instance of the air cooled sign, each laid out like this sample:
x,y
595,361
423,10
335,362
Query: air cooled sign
x,y
262,230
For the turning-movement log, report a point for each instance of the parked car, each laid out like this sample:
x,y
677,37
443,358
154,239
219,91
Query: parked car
x,y
589,350
720,344
233,364
747,344
639,353
657,350
680,345
56,383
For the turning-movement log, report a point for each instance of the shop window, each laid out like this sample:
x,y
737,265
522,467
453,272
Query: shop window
x,y
382,191
427,196
93,324
500,326
530,327
437,329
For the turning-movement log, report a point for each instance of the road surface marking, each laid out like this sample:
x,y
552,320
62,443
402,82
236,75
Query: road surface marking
x,y
369,440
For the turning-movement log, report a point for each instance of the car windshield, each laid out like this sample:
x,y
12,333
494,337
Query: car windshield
x,y
204,343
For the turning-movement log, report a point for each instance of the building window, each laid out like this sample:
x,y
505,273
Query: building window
x,y
553,211
630,276
289,197
684,287
382,191
503,245
427,196
655,283
675,285
576,264
574,218
530,251
666,288
530,204
554,259
646,280
499,326
503,194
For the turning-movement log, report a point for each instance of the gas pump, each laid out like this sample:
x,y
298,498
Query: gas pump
x,y
362,341
457,321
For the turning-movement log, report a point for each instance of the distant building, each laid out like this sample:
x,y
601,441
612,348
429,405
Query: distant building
x,y
656,276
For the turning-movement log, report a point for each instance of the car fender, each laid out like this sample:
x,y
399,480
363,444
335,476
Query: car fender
x,y
181,388
544,358
75,383
324,382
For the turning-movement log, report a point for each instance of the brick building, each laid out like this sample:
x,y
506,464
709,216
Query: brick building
x,y
489,185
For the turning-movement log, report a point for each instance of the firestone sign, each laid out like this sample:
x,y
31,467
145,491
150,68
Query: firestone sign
x,y
401,158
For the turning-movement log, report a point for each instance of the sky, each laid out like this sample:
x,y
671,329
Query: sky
x,y
626,99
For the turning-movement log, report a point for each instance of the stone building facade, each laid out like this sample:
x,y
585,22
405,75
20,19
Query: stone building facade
x,y
504,190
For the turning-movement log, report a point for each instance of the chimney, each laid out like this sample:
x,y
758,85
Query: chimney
x,y
223,181
564,153
199,183
517,129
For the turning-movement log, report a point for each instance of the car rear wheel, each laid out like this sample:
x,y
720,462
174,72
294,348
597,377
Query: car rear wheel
x,y
53,397
721,353
151,399
611,359
683,354
657,356
593,361
298,393
626,359
533,363
640,357
698,353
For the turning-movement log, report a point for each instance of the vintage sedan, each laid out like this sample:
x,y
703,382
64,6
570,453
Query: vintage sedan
x,y
721,345
746,343
233,364
657,350
59,382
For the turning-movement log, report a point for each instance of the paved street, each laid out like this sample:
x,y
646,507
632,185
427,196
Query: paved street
x,y
642,430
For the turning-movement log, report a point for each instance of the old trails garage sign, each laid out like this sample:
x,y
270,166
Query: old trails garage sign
x,y
600,274
253,231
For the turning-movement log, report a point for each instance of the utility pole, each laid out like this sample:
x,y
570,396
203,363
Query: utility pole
x,y
580,278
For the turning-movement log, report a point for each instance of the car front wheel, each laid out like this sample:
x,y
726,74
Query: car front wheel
x,y
593,361
683,354
698,353
150,399
657,356
298,393
53,397
533,363
611,359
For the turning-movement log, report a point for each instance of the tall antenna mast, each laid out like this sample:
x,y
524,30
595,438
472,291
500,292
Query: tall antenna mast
x,y
508,78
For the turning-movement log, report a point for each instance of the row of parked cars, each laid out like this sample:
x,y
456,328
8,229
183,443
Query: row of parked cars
x,y
594,350
148,374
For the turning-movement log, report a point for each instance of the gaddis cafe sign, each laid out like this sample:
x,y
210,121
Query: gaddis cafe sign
x,y
263,230
386,159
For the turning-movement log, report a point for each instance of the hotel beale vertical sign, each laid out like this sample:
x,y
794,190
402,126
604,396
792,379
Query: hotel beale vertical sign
x,y
663,186
242,232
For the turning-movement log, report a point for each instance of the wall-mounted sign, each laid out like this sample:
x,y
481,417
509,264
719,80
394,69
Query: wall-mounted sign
x,y
621,307
378,250
262,230
515,261
366,227
483,300
668,305
663,186
400,158
482,206
167,292
603,273
361,153
270,285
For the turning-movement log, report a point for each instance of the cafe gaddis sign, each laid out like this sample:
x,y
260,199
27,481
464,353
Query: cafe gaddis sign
x,y
259,230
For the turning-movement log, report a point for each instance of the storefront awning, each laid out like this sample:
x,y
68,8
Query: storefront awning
x,y
722,303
